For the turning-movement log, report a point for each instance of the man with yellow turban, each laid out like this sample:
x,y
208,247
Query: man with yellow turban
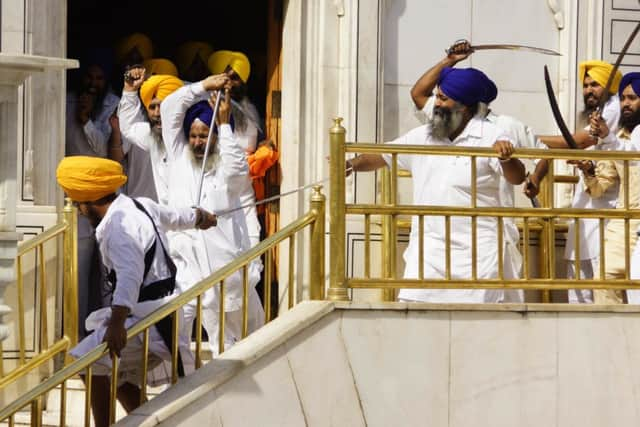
x,y
607,177
191,59
159,66
134,49
262,154
141,127
187,117
133,245
593,75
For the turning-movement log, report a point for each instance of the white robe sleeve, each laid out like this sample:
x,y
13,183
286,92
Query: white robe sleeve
x,y
172,111
170,219
133,124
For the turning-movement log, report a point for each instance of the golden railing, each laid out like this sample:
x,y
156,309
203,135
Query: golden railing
x,y
390,209
45,353
314,219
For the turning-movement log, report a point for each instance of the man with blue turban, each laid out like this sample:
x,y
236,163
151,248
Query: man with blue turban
x,y
609,176
446,181
187,116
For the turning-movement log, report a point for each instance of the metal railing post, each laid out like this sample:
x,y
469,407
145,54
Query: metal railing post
x,y
70,262
388,237
337,214
316,246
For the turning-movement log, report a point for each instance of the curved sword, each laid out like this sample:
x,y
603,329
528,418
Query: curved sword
x,y
512,47
616,65
564,130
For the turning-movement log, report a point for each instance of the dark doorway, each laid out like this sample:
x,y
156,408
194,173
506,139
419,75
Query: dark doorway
x,y
238,25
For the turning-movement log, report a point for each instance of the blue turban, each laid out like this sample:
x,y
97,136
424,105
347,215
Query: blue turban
x,y
632,79
467,85
202,111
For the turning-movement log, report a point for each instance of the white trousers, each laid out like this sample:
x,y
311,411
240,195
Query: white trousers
x,y
587,269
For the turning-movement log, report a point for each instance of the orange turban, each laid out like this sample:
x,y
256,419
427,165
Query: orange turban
x,y
160,66
138,41
238,61
87,179
159,86
599,71
187,53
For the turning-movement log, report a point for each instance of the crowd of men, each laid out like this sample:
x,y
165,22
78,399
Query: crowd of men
x,y
135,164
148,186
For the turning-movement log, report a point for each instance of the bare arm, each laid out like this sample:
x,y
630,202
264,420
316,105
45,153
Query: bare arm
x,y
582,138
513,169
423,88
366,163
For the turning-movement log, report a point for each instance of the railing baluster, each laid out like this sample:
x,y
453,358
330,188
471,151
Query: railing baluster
x,y
576,253
113,390
198,331
63,403
292,259
221,321
20,315
367,246
144,363
500,248
245,301
267,286
36,412
175,346
88,384
44,333
601,265
421,247
447,246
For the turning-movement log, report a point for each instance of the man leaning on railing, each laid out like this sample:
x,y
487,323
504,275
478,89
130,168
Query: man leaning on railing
x,y
608,173
131,238
446,181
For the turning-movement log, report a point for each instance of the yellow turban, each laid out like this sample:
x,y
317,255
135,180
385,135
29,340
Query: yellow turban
x,y
187,53
138,41
599,71
238,61
160,66
159,86
87,179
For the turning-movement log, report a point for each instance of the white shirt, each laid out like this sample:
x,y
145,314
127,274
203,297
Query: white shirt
x,y
92,138
247,138
200,253
589,228
125,234
137,138
446,181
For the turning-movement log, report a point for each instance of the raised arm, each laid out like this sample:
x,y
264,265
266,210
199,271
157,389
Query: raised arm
x,y
175,106
423,88
133,124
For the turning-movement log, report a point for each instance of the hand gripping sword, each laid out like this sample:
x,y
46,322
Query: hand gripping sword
x,y
206,149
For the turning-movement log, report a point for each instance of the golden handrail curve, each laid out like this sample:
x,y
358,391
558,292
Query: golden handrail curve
x,y
80,364
41,238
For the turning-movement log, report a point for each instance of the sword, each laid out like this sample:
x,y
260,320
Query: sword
x,y
510,47
616,65
206,148
557,115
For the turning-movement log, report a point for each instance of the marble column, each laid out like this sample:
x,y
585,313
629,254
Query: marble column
x,y
14,69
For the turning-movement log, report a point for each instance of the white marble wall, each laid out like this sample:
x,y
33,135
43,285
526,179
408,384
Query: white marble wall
x,y
422,365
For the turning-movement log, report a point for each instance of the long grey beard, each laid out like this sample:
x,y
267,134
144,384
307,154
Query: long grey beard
x,y
243,114
212,160
443,126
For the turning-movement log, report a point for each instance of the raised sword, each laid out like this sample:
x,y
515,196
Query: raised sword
x,y
502,46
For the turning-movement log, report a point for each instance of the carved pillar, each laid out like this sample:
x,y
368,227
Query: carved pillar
x,y
14,69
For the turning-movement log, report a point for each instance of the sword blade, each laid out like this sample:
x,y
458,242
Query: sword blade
x,y
616,65
516,47
556,112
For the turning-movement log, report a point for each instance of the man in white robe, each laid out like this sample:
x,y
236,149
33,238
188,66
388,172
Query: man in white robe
x,y
520,135
186,119
141,122
594,76
446,181
130,235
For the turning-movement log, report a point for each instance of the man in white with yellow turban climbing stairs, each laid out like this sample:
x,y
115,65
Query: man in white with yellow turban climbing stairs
x,y
133,246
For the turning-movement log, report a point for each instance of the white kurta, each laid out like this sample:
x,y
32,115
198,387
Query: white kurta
x,y
446,181
247,138
124,235
136,137
200,253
